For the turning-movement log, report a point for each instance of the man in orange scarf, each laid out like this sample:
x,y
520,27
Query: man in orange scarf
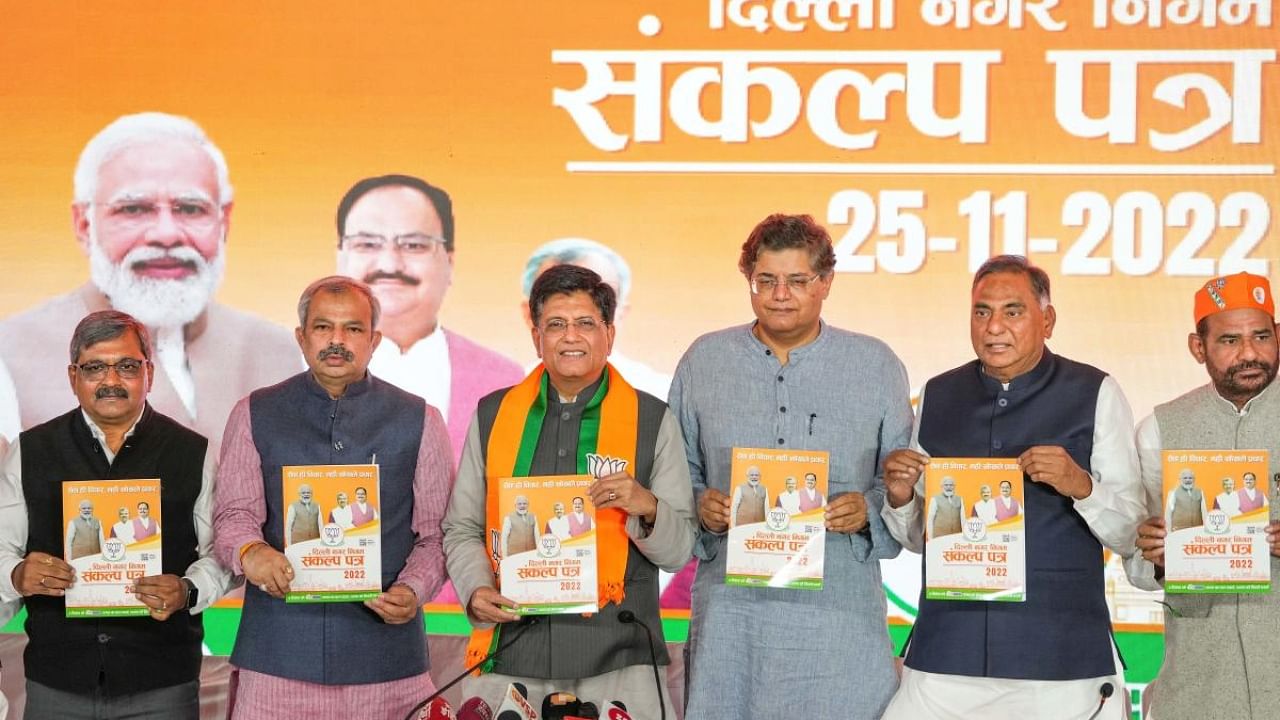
x,y
572,405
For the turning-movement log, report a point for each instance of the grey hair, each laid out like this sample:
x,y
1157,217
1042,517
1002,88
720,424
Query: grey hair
x,y
132,130
107,325
338,284
1018,265
566,251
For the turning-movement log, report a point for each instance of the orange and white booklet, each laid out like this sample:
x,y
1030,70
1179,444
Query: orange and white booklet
x,y
332,532
777,531
1216,510
112,538
547,543
975,542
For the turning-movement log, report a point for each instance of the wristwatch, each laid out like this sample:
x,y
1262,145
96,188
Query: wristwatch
x,y
193,593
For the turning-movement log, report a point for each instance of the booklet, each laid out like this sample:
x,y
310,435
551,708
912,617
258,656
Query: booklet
x,y
975,542
1216,512
547,542
777,534
332,532
112,538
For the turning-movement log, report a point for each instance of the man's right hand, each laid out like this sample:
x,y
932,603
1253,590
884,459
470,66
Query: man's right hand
x,y
486,606
902,470
713,510
1151,540
42,574
267,568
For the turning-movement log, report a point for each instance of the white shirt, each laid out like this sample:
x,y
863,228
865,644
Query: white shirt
x,y
559,526
342,516
985,510
171,356
1112,511
789,500
1228,502
423,369
10,419
123,530
208,576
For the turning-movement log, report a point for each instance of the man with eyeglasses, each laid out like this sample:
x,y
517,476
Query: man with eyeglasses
x,y
396,234
151,210
573,405
92,668
789,380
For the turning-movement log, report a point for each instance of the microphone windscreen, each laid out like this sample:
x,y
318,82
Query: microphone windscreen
x,y
589,711
508,715
437,709
626,616
1107,689
475,709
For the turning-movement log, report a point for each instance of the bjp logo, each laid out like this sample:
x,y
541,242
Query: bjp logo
x,y
974,529
548,546
113,550
331,535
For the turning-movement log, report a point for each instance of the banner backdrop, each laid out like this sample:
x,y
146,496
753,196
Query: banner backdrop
x,y
1127,147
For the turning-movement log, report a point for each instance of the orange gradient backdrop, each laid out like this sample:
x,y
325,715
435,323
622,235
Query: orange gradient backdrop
x,y
304,98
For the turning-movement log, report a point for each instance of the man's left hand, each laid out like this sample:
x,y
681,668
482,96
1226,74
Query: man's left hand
x,y
398,605
620,490
847,513
1273,538
163,594
1052,466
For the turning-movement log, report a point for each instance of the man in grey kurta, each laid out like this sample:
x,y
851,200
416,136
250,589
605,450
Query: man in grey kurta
x,y
1223,643
791,381
596,657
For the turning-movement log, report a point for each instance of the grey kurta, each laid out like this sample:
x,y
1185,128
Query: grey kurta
x,y
760,652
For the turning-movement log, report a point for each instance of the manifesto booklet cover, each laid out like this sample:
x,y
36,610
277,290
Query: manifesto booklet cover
x,y
777,534
547,543
1216,512
112,539
975,542
332,532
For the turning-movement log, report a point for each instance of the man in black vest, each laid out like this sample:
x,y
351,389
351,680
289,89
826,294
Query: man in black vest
x,y
110,667
1071,430
643,512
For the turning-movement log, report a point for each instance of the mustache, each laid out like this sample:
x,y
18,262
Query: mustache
x,y
336,349
397,276
1249,365
107,391
188,255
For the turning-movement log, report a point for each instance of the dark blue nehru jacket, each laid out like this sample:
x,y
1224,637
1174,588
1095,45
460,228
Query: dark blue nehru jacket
x,y
297,423
1063,629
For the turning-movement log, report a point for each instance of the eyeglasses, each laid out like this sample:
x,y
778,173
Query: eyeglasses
x,y
408,243
560,326
126,368
192,213
795,283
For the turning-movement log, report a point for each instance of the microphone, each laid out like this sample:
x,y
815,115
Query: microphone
x,y
475,709
436,709
628,617
515,704
521,627
587,711
560,705
1104,694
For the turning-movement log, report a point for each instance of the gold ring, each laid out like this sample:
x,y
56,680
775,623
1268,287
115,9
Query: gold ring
x,y
613,495
48,560
42,579
164,605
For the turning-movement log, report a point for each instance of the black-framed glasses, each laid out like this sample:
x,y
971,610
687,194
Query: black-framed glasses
x,y
408,243
126,368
